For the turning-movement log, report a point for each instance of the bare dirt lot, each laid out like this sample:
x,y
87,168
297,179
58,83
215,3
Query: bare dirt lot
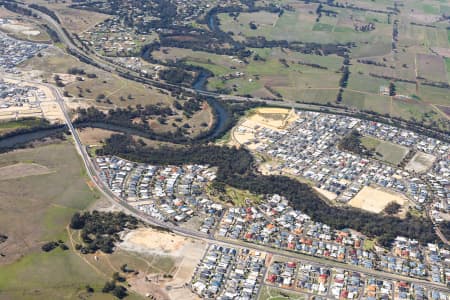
x,y
187,252
269,117
21,170
375,199
420,162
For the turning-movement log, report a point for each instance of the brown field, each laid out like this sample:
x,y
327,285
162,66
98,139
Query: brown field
x,y
74,20
185,251
25,31
4,13
77,20
94,136
442,51
421,162
269,117
444,109
432,67
21,170
375,199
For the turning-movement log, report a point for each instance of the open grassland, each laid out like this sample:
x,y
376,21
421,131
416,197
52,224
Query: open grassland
x,y
37,209
115,88
390,153
269,71
74,20
432,67
447,67
36,198
301,25
385,151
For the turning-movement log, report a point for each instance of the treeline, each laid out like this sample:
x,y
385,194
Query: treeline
x,y
53,34
32,125
46,11
100,230
12,6
235,168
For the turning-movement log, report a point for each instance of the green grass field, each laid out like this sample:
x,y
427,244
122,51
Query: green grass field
x,y
272,293
240,197
447,65
38,210
7,126
390,153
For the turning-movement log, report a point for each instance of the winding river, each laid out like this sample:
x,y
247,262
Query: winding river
x,y
25,138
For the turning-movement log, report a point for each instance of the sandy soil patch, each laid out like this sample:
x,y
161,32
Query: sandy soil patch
x,y
188,251
21,170
148,287
4,13
375,199
421,162
268,117
327,194
148,240
275,118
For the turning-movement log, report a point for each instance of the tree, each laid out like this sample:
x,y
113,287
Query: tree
x,y
117,277
47,247
120,292
109,286
77,221
89,289
392,208
392,89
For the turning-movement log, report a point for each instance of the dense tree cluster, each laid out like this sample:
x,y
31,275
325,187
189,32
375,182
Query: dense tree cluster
x,y
46,11
235,168
52,33
99,230
392,208
49,246
176,76
445,229
352,143
118,291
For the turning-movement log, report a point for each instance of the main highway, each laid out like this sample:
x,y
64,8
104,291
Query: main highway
x,y
105,190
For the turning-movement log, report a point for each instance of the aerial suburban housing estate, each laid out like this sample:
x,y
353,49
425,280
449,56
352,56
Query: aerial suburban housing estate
x,y
225,149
